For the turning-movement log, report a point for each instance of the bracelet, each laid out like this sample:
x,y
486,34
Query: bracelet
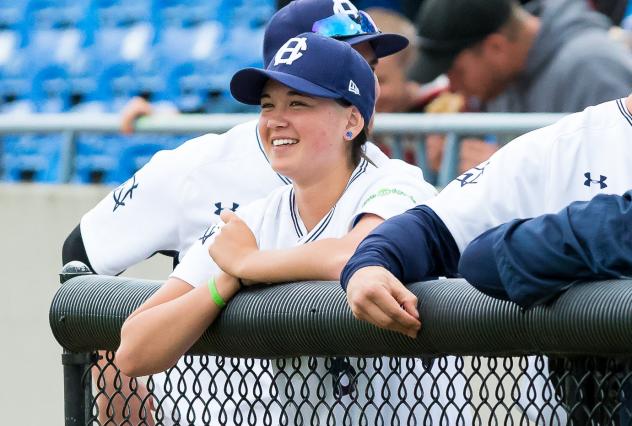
x,y
217,298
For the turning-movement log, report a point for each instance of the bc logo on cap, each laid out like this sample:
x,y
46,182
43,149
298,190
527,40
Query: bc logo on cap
x,y
345,6
291,51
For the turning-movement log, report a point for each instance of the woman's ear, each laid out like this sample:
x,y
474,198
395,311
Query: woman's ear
x,y
355,124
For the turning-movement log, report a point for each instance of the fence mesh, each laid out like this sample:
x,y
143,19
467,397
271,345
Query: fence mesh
x,y
209,390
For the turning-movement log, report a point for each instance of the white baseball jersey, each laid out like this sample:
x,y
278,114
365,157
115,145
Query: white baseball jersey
x,y
275,221
582,155
171,200
384,191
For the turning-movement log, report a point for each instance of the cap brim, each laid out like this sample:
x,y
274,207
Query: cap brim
x,y
430,66
384,44
246,85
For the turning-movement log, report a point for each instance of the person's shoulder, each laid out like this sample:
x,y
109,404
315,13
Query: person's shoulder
x,y
395,173
212,147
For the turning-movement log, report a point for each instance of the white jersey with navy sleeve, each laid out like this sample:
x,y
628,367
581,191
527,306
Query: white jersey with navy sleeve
x,y
582,155
384,191
169,201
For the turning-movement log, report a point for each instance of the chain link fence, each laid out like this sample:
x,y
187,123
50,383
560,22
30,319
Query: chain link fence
x,y
293,355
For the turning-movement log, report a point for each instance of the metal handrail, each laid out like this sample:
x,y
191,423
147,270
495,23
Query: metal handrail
x,y
397,125
194,123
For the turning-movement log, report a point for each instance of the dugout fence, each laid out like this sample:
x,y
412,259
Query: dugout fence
x,y
400,132
293,354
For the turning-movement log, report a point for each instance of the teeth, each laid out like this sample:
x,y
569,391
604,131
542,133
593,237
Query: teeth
x,y
279,142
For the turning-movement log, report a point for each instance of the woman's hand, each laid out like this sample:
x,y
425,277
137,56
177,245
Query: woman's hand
x,y
235,247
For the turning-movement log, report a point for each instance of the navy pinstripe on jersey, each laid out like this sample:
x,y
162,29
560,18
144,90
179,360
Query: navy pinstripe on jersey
x,y
322,225
624,110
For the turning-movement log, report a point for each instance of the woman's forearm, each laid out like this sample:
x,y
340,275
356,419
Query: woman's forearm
x,y
318,260
155,338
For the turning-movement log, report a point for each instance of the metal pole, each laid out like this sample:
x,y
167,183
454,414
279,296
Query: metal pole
x,y
77,387
77,377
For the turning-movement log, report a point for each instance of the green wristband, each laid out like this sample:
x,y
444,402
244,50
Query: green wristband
x,y
217,298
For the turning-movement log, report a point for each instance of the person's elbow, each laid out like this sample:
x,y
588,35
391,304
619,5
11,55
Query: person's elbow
x,y
127,362
135,359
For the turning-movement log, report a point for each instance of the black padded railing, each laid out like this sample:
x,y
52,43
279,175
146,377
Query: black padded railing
x,y
356,373
313,318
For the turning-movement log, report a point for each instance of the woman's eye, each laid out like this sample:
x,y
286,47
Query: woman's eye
x,y
297,103
266,106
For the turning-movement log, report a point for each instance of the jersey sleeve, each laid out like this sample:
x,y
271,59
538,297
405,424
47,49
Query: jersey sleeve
x,y
533,260
400,188
141,216
511,184
197,266
413,246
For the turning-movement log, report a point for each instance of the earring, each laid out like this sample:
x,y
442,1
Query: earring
x,y
348,135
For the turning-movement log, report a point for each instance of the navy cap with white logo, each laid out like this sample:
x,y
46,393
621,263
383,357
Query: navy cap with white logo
x,y
314,65
299,16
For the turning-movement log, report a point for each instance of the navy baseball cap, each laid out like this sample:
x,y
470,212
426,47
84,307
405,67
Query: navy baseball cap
x,y
299,17
314,65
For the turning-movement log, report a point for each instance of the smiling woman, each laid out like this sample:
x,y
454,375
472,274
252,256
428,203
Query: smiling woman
x,y
317,97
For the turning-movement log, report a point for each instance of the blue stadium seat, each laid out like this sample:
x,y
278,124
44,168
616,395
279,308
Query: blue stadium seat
x,y
48,14
12,13
32,158
112,159
183,13
54,47
51,90
96,158
122,44
177,45
117,13
15,78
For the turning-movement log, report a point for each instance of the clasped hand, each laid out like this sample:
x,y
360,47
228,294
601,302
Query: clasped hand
x,y
235,248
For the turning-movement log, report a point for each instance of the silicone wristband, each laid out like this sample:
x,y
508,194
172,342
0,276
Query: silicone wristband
x,y
217,298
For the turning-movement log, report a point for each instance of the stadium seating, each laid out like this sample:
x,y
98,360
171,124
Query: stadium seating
x,y
32,158
70,56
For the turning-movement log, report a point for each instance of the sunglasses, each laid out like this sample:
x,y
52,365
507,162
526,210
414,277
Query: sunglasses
x,y
344,25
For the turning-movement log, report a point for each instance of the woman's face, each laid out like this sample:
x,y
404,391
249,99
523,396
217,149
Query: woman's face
x,y
303,136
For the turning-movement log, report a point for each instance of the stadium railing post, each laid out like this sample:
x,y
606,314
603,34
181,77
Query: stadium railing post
x,y
77,377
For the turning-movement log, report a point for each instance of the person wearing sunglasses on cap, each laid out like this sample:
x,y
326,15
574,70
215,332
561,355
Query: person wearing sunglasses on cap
x,y
314,120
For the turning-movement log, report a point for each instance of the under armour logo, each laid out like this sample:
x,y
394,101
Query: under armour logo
x,y
589,180
210,231
124,191
345,6
291,51
471,176
220,208
353,88
343,378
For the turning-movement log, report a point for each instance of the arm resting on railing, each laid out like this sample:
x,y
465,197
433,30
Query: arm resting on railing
x,y
313,318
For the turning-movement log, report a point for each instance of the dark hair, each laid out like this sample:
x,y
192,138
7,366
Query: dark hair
x,y
360,139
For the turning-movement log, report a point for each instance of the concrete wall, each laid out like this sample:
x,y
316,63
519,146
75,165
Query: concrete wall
x,y
34,221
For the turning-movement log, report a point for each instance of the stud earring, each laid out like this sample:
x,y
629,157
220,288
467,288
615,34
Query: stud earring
x,y
348,135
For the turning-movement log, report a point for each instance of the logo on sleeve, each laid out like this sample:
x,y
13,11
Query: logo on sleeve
x,y
601,181
291,51
471,176
210,231
123,192
219,208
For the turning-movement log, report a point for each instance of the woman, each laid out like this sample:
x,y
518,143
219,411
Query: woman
x,y
312,126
